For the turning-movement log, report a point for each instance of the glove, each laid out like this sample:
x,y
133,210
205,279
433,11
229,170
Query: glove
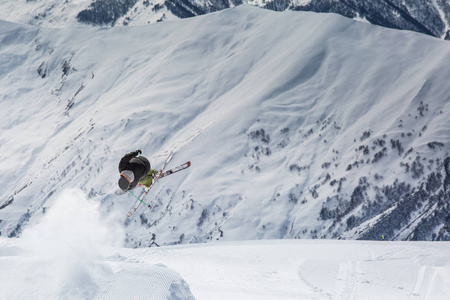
x,y
139,152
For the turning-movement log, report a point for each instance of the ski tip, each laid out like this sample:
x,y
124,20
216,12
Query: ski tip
x,y
189,163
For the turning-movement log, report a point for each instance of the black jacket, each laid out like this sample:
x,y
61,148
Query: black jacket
x,y
140,166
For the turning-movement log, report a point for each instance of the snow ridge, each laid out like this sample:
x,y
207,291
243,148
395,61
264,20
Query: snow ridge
x,y
428,17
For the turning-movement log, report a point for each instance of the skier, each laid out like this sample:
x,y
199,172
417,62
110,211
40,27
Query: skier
x,y
135,169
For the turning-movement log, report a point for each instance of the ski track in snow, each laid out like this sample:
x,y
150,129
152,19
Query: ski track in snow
x,y
305,269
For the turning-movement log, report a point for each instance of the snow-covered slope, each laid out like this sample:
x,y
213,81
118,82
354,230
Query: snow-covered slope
x,y
57,14
57,260
266,270
297,125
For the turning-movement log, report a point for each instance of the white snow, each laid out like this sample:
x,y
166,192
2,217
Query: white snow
x,y
292,269
63,257
73,101
50,13
57,260
62,14
201,87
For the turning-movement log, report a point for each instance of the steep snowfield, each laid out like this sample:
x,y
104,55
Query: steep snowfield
x,y
274,110
71,254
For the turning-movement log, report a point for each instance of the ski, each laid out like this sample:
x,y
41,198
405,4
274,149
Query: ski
x,y
166,173
176,169
137,203
146,190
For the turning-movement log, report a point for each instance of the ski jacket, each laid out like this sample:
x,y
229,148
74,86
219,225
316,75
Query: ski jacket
x,y
140,166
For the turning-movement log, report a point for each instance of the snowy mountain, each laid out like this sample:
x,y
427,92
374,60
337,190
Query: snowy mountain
x,y
298,125
424,16
428,17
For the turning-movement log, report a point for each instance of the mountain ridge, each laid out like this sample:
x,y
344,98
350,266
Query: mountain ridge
x,y
427,17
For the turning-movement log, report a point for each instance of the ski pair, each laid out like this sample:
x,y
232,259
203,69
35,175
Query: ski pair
x,y
176,169
141,198
173,170
160,175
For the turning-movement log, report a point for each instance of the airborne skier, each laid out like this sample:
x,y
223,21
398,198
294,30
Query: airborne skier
x,y
135,169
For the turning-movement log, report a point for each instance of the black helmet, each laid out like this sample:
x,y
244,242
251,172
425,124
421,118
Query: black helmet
x,y
126,178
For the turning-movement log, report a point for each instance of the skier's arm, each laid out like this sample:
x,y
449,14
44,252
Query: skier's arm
x,y
126,159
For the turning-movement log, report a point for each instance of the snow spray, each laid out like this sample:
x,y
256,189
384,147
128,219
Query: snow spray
x,y
63,250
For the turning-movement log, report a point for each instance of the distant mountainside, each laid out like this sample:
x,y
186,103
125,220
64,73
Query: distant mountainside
x,y
424,16
297,124
428,17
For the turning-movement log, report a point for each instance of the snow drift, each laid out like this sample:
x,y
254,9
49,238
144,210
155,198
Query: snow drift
x,y
63,257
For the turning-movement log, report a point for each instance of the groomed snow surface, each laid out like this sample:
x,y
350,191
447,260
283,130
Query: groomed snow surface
x,y
57,260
